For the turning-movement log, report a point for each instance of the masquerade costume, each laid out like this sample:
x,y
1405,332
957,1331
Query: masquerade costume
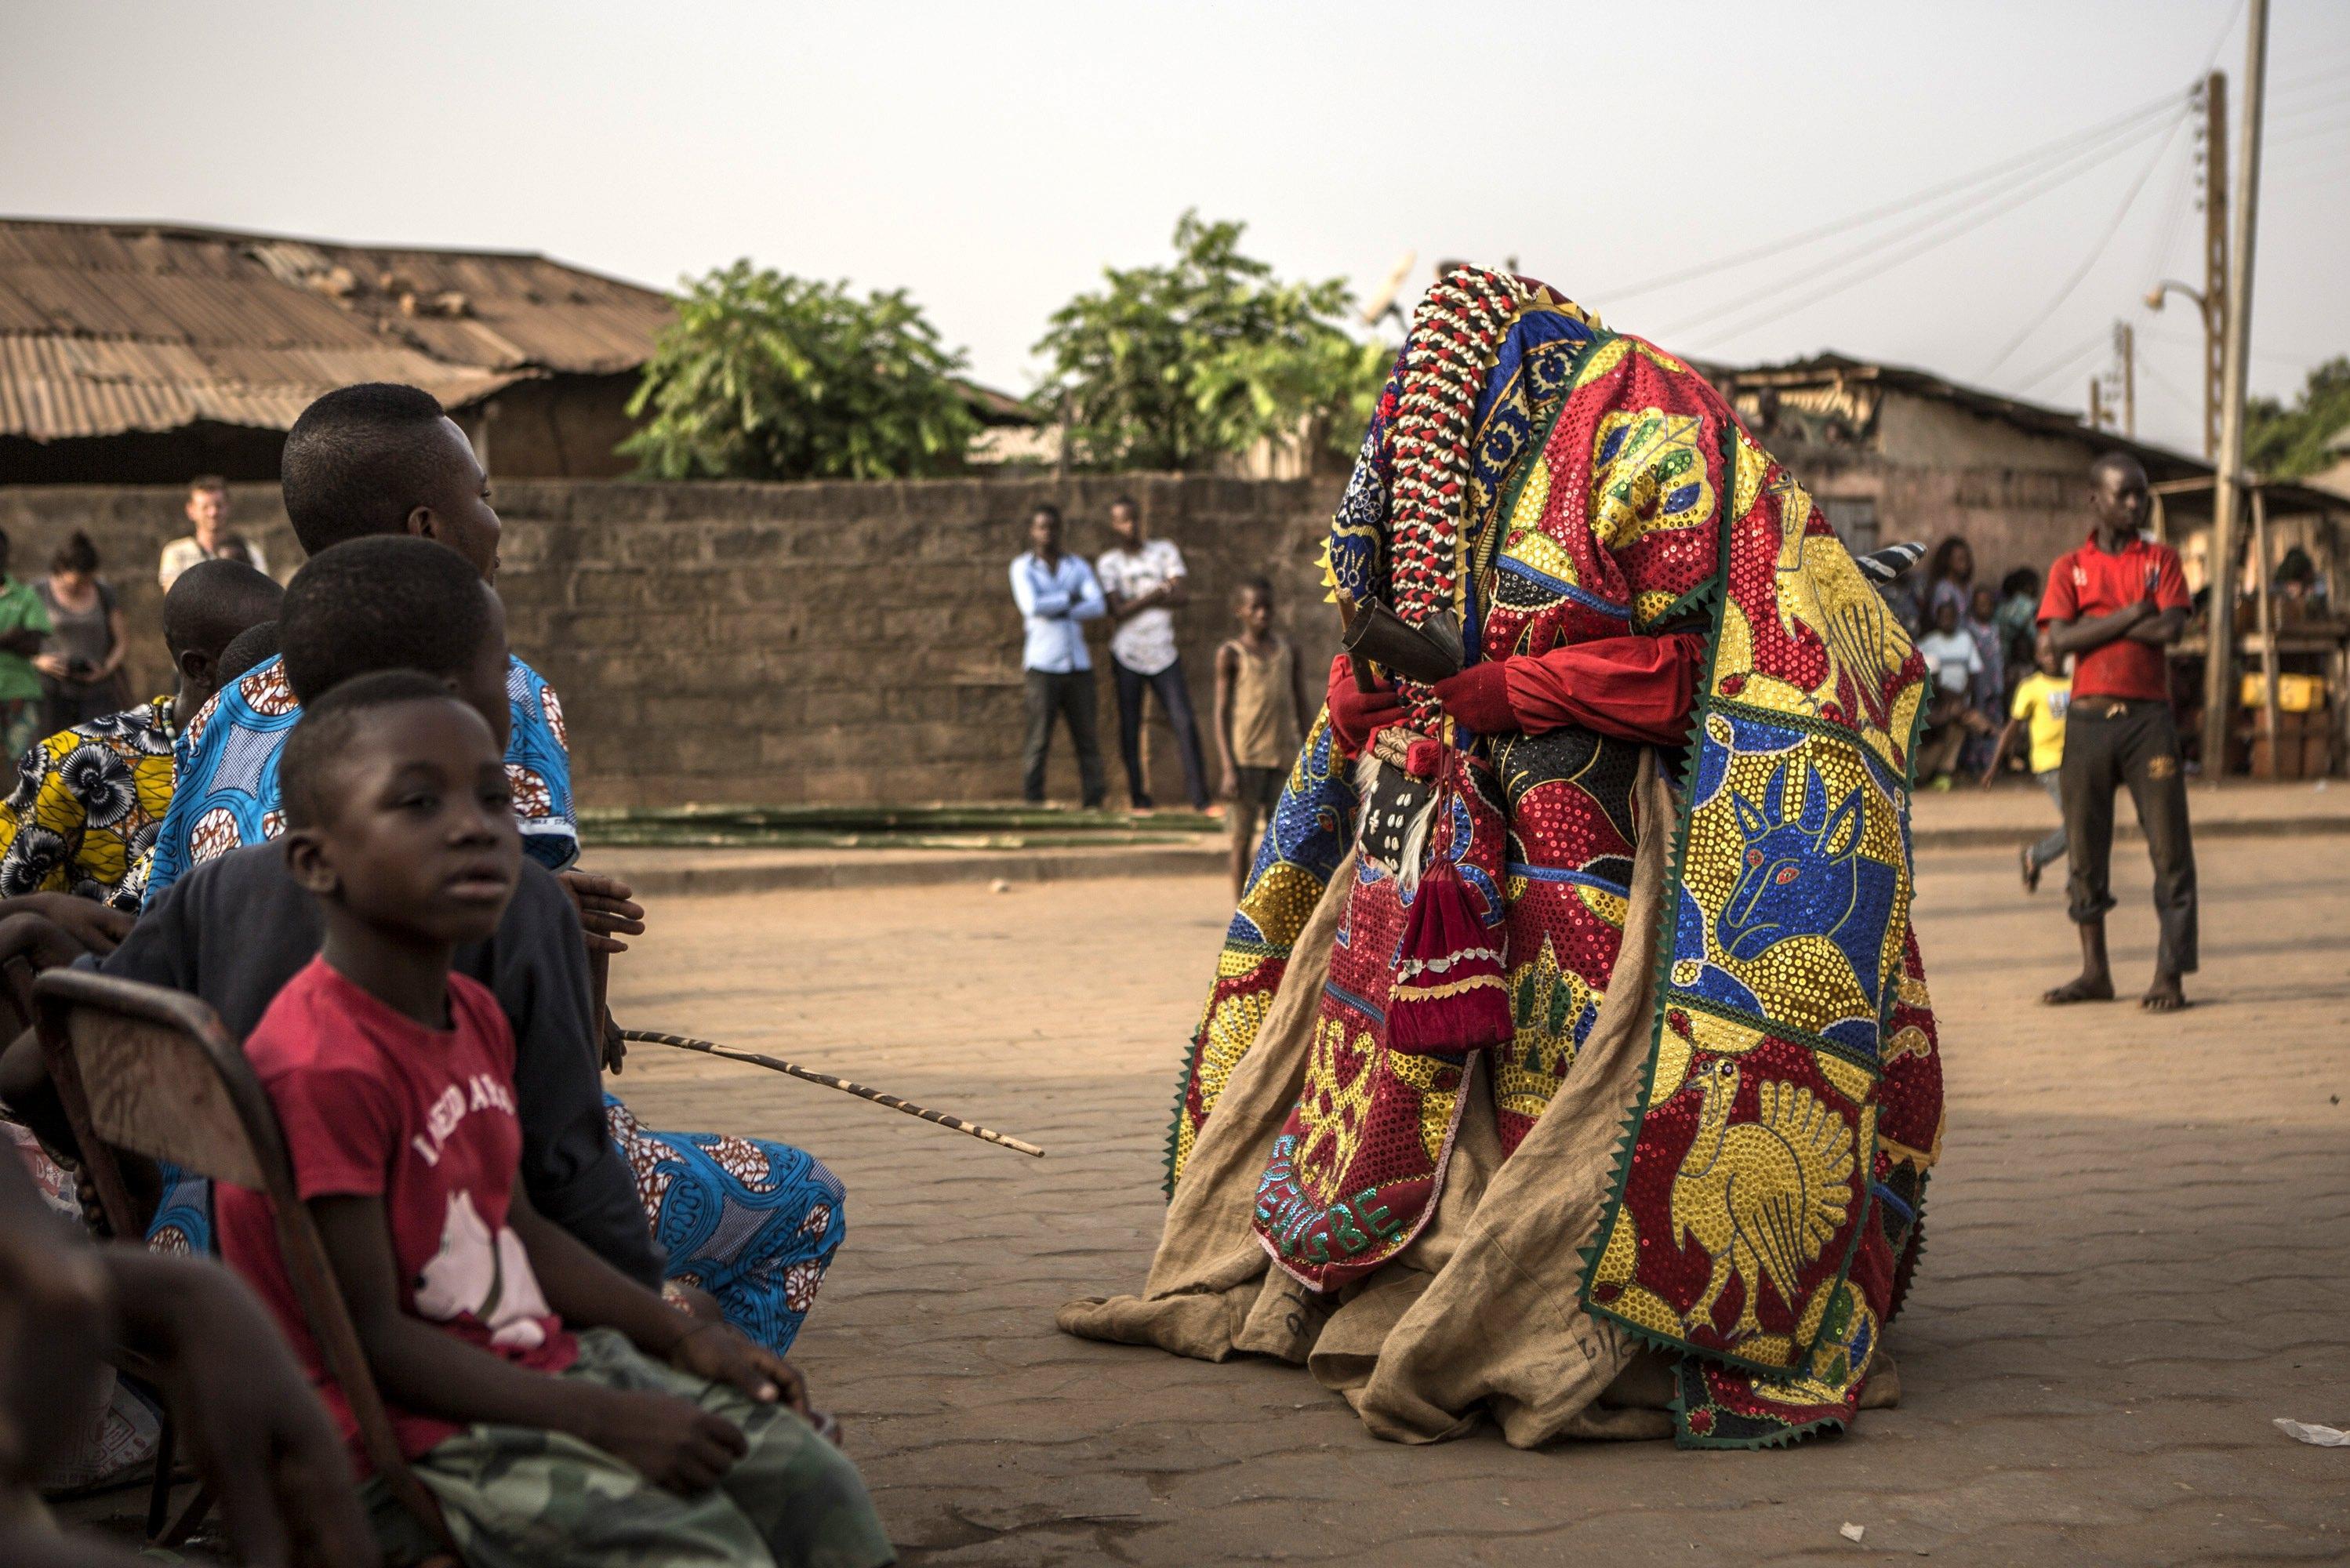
x,y
1555,1046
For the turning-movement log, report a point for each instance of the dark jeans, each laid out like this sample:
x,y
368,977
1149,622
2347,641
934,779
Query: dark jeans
x,y
1072,697
2108,742
1175,698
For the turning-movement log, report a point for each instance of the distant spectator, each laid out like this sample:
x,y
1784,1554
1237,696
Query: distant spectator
x,y
23,623
1989,686
1057,594
1260,719
2038,710
208,516
81,662
1144,581
2298,594
90,798
2018,621
1949,578
1953,659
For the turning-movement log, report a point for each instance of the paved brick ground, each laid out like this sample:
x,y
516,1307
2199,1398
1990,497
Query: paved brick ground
x,y
2140,1248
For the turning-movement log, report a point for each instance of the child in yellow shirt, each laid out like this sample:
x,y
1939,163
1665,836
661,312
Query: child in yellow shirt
x,y
2039,707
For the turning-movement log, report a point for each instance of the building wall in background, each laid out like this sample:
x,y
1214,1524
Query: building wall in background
x,y
783,643
1929,469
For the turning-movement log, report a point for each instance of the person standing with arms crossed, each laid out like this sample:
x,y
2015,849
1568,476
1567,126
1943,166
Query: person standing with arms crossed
x,y
1145,582
2115,605
1057,594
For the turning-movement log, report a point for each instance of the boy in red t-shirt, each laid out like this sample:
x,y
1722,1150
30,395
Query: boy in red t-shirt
x,y
644,1437
2116,605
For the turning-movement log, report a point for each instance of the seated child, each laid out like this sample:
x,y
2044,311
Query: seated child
x,y
88,799
558,1412
753,1222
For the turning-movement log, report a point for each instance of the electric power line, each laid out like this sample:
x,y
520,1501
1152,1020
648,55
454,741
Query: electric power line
x,y
2055,151
2174,208
2312,105
2073,365
2089,262
2309,133
2211,56
1868,255
2147,372
2071,357
2177,341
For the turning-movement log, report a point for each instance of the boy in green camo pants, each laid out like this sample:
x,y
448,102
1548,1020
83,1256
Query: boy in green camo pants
x,y
560,1413
517,1497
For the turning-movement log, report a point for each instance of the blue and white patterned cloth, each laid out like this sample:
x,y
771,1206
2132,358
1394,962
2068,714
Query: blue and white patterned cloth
x,y
226,794
754,1223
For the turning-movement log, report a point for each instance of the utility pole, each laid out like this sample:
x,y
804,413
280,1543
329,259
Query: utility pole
x,y
2219,641
2125,351
2215,254
2098,417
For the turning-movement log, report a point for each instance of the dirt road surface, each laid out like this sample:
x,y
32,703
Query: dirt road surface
x,y
2140,1247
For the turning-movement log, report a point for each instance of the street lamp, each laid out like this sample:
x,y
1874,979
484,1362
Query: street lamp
x,y
2209,310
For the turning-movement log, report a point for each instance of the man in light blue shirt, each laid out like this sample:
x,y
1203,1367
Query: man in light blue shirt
x,y
1057,594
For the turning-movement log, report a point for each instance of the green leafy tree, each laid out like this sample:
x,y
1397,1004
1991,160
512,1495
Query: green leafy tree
x,y
764,376
1171,367
2290,442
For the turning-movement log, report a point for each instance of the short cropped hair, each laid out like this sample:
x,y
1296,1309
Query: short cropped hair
x,y
395,602
255,646
1260,586
326,728
1044,509
212,601
205,482
2119,462
1126,501
358,461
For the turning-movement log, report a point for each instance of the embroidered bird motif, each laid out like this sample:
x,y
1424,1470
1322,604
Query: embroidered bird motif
x,y
1762,1197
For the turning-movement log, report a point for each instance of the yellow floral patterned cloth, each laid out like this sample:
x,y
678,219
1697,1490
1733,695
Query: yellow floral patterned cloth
x,y
87,803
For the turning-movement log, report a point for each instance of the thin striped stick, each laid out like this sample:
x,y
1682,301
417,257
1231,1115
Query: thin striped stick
x,y
777,1064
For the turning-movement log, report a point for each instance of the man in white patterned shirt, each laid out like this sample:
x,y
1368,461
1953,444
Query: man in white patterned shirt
x,y
1144,580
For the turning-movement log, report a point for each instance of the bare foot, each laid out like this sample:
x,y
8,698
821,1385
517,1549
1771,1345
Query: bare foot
x,y
2031,869
2082,988
2164,995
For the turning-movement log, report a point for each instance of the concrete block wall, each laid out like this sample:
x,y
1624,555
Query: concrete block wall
x,y
824,643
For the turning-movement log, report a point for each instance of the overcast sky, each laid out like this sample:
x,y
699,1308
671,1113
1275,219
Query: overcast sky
x,y
992,158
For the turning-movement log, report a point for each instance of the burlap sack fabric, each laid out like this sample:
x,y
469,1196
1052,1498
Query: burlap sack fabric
x,y
1483,1311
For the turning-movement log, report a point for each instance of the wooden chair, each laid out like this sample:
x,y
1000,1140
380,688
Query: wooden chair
x,y
143,1068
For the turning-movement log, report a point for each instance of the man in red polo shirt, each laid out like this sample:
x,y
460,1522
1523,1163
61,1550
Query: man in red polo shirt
x,y
2115,605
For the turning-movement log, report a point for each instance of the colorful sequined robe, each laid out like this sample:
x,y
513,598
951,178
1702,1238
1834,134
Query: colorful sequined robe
x,y
1549,481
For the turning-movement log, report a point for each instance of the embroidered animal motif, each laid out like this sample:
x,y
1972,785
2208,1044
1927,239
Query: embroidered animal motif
x,y
1807,876
1763,1197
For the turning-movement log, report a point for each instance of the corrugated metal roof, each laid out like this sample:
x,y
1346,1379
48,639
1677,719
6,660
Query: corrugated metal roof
x,y
107,327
